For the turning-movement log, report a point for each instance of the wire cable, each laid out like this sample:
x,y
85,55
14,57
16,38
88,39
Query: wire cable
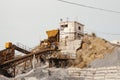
x,y
89,6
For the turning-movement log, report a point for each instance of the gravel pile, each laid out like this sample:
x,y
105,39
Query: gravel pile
x,y
110,59
60,74
3,78
92,48
39,74
45,74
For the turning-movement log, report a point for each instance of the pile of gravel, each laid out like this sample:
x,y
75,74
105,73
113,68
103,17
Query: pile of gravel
x,y
3,78
110,59
38,74
45,74
60,74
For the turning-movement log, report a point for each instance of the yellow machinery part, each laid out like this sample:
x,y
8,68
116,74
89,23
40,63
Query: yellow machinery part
x,y
52,33
8,45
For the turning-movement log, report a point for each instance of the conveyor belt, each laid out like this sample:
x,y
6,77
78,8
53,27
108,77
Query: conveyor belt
x,y
25,57
21,49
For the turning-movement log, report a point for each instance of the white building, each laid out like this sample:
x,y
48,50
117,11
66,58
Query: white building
x,y
71,33
71,30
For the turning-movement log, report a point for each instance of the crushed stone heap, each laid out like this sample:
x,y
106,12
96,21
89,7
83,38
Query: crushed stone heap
x,y
92,48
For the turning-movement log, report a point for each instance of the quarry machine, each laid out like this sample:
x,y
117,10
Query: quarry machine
x,y
9,61
53,38
48,51
9,52
7,56
56,59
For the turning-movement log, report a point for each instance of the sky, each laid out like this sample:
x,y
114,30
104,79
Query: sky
x,y
26,21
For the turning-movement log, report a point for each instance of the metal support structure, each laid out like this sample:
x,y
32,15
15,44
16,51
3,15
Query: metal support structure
x,y
12,63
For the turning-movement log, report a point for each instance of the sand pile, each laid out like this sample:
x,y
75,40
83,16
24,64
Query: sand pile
x,y
92,48
112,59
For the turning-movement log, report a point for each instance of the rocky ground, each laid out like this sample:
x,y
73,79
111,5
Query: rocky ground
x,y
3,78
49,74
92,48
110,59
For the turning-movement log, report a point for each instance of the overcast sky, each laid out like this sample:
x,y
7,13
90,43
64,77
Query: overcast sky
x,y
26,21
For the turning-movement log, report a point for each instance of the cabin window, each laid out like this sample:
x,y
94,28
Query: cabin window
x,y
79,28
66,25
